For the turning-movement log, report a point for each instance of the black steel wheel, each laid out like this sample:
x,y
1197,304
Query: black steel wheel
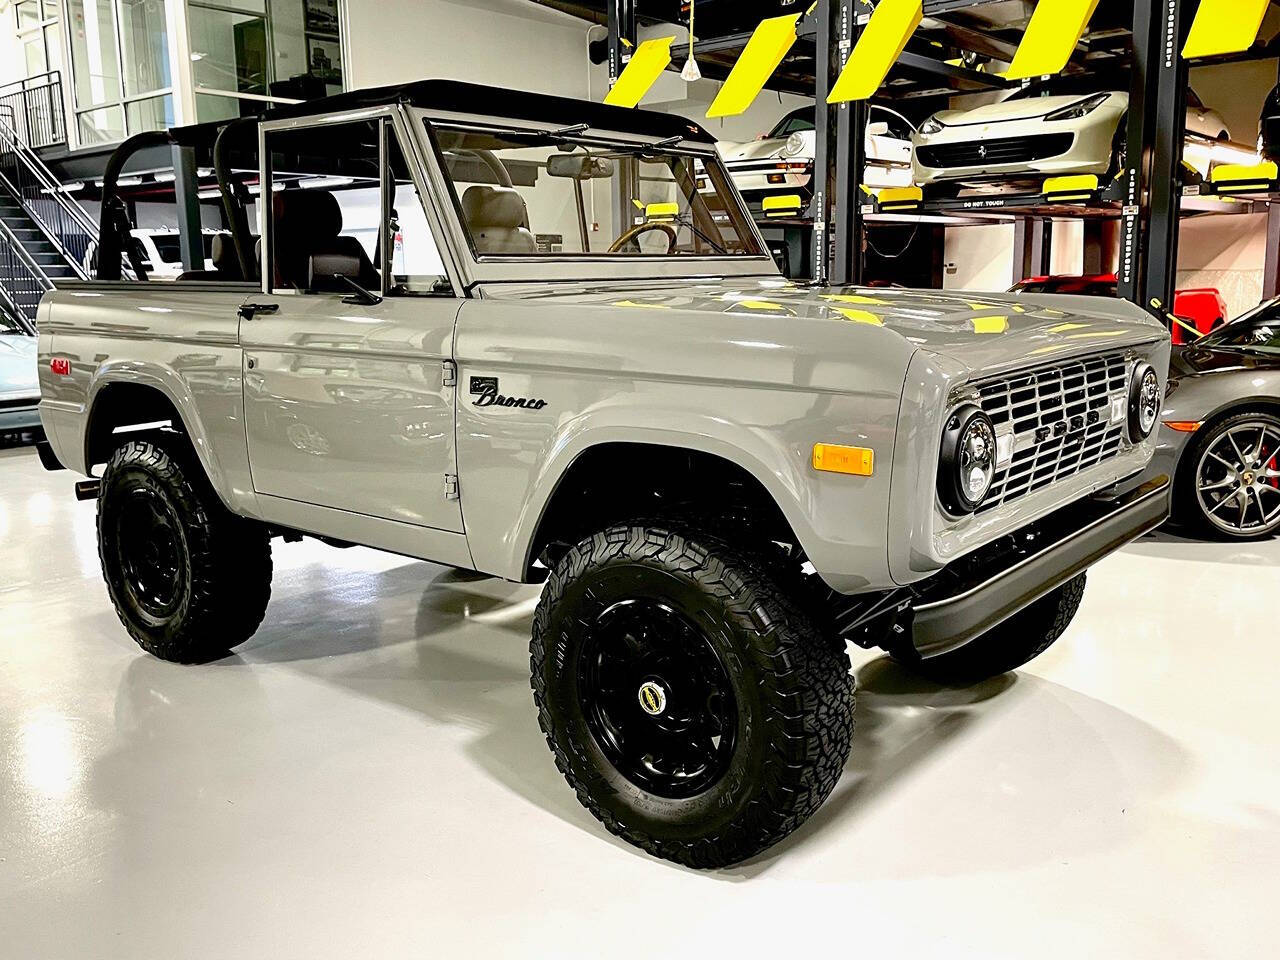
x,y
657,698
189,580
1230,486
695,710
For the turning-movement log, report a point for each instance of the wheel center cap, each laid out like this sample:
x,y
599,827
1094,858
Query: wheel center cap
x,y
653,699
1248,478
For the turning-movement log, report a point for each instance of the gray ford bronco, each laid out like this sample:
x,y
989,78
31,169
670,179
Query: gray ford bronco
x,y
541,339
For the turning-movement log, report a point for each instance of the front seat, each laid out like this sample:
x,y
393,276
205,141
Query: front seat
x,y
309,223
496,218
225,264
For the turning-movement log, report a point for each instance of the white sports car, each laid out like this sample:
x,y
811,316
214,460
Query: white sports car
x,y
1050,128
782,160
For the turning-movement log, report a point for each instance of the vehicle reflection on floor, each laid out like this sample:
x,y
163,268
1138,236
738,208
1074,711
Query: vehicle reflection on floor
x,y
368,771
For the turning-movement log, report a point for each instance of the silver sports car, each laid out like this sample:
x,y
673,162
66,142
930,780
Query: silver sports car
x,y
1220,432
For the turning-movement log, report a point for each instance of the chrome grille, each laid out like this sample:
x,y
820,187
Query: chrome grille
x,y
1060,417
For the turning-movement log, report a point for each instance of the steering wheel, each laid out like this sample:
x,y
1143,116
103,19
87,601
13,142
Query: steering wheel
x,y
631,235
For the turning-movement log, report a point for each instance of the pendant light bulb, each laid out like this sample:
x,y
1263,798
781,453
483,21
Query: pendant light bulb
x,y
691,73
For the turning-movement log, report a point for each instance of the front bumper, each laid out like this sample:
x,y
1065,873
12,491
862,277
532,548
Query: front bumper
x,y
980,591
1089,151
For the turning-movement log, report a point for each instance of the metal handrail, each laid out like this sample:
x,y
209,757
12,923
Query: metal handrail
x,y
36,108
22,281
67,224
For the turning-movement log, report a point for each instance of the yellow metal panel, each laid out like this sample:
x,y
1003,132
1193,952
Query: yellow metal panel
x,y
789,201
900,196
641,73
764,51
835,458
662,211
1224,26
1235,172
1085,183
1051,36
878,49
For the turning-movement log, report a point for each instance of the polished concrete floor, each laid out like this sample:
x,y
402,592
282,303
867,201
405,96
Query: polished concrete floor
x,y
366,779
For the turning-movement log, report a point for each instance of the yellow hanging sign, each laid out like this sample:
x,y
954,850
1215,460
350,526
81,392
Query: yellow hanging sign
x,y
1055,28
772,40
1224,26
881,43
641,73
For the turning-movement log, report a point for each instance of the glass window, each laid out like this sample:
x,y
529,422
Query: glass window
x,y
33,53
325,224
95,58
229,50
105,125
144,41
797,122
154,113
523,194
28,12
416,265
1259,329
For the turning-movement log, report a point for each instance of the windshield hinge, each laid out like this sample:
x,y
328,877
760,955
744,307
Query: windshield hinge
x,y
450,373
451,486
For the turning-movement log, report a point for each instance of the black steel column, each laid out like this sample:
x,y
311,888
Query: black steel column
x,y
1170,91
1271,265
845,222
622,43
1041,247
186,196
1156,132
825,13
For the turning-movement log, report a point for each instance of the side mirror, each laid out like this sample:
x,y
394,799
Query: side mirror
x,y
580,166
878,129
337,273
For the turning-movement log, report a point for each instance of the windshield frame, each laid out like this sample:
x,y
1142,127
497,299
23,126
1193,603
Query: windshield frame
x,y
580,266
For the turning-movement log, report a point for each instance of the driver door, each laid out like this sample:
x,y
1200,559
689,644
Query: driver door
x,y
348,384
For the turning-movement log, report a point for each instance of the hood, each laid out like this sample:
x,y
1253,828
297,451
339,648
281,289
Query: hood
x,y
18,375
984,332
768,149
1193,361
1007,110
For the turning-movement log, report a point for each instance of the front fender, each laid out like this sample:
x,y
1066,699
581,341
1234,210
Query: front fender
x,y
839,520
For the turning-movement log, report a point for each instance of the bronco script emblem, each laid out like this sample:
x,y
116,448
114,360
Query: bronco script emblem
x,y
485,391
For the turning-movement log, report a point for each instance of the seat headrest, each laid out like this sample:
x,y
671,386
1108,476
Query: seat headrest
x,y
311,213
494,208
223,253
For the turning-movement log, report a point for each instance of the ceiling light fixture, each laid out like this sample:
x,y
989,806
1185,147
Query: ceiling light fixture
x,y
691,73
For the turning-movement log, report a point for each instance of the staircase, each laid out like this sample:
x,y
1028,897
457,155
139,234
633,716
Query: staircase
x,y
45,236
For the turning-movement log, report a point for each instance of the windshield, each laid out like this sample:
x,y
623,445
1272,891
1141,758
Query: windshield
x,y
1259,330
526,194
798,121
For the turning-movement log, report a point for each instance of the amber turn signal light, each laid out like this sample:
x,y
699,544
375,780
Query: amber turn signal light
x,y
834,458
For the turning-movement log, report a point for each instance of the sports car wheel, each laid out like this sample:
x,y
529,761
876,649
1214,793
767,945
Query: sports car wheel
x,y
1232,489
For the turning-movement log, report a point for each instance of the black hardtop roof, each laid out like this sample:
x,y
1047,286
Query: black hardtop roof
x,y
460,97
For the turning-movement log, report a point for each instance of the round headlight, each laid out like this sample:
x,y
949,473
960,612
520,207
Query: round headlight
x,y
968,463
1144,402
794,146
930,127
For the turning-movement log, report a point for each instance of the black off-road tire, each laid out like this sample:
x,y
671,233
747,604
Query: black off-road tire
x,y
1017,641
793,691
223,561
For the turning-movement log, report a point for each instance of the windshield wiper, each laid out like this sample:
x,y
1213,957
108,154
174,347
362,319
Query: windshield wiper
x,y
569,131
649,149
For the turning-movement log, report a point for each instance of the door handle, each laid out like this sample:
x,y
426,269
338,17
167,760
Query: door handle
x,y
248,311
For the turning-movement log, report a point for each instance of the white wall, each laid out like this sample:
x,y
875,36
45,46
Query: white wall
x,y
978,258
1226,253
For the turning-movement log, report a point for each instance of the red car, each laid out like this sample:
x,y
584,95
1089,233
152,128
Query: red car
x,y
1203,308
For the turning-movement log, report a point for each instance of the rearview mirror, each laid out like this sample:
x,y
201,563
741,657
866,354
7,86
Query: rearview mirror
x,y
580,166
